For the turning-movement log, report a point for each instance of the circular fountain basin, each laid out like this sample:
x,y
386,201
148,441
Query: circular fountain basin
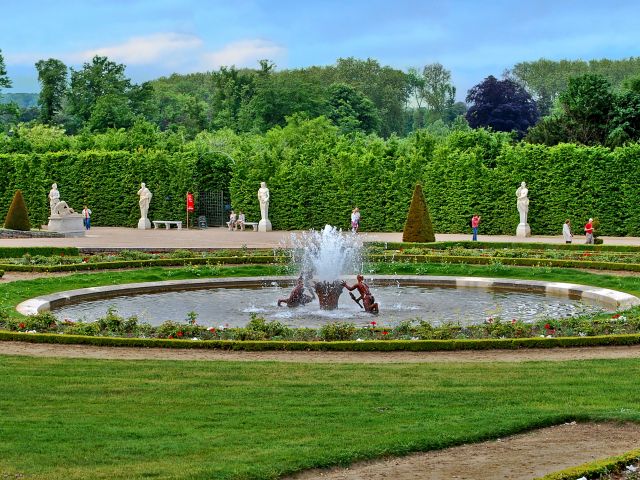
x,y
464,300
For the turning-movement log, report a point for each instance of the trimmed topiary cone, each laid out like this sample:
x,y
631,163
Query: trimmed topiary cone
x,y
418,227
18,216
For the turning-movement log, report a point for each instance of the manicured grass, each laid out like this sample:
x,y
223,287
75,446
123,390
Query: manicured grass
x,y
78,419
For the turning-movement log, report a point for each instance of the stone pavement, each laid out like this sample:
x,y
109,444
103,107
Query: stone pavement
x,y
112,237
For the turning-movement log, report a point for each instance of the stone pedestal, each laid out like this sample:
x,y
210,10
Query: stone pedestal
x,y
144,224
523,230
264,225
71,225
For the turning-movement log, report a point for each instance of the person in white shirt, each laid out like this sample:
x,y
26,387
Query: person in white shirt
x,y
240,222
566,231
86,217
232,220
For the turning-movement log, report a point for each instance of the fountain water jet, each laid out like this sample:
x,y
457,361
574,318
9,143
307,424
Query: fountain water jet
x,y
325,255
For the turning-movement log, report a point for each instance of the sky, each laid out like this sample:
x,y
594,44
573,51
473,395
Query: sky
x,y
154,38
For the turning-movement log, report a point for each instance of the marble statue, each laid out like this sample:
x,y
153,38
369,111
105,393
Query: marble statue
x,y
263,197
522,194
145,199
522,202
54,198
63,218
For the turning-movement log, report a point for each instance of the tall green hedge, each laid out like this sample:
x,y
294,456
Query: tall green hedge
x,y
106,181
316,176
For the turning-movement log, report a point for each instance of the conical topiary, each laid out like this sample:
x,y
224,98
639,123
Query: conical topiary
x,y
418,227
18,216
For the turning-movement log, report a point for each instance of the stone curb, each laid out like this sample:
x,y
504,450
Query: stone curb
x,y
612,299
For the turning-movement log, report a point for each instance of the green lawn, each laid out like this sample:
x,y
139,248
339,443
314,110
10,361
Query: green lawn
x,y
71,419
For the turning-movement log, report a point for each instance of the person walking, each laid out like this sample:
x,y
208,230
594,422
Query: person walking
x,y
588,230
86,217
355,220
566,231
475,221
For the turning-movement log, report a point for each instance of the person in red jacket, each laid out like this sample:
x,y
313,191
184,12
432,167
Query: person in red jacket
x,y
588,230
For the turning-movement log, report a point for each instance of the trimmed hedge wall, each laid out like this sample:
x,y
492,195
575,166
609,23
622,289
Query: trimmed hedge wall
x,y
317,175
342,346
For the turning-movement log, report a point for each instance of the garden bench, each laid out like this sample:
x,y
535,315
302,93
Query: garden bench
x,y
167,223
253,225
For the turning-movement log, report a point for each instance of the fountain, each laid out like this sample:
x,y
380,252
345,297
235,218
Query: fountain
x,y
325,255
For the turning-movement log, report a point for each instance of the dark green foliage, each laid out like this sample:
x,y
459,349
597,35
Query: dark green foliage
x,y
52,75
17,216
17,252
418,227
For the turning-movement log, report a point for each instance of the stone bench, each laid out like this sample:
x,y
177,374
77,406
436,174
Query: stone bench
x,y
167,223
253,225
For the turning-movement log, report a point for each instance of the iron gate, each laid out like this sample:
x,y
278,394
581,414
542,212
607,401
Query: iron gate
x,y
212,205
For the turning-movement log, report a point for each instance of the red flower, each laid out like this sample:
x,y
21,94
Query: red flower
x,y
617,315
373,323
170,336
552,332
547,326
21,325
180,333
211,329
384,332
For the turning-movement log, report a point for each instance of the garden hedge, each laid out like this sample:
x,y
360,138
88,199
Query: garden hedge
x,y
596,469
521,262
339,346
154,262
17,252
317,175
511,245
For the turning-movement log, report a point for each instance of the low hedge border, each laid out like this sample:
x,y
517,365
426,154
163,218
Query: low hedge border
x,y
340,346
270,259
17,252
522,262
157,262
595,469
497,245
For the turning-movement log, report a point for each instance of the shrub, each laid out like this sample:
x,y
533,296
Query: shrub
x,y
418,227
337,331
18,216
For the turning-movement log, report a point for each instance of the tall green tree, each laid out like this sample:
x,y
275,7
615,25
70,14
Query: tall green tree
x,y
52,75
351,110
437,90
5,81
97,79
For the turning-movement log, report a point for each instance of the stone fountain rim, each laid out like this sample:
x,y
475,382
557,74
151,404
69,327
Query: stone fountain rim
x,y
612,299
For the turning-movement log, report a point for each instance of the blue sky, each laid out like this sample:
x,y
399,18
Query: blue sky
x,y
155,38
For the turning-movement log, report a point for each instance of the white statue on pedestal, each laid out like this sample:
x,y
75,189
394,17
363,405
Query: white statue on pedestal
x,y
145,199
54,198
522,202
263,197
63,218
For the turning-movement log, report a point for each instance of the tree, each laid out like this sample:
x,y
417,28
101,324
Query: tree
x,y
351,110
438,92
418,227
18,216
5,81
52,75
587,103
502,105
97,79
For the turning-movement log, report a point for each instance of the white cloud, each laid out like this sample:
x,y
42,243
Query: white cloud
x,y
144,50
244,53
